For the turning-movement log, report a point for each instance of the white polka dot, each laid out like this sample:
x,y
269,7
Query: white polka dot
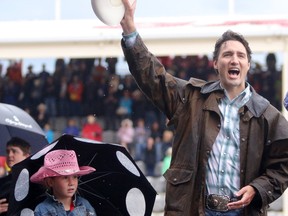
x,y
22,185
135,202
27,212
127,163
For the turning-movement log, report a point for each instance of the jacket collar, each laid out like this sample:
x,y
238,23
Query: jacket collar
x,y
256,105
51,196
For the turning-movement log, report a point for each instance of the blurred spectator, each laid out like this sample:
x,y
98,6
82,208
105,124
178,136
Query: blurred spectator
x,y
125,135
99,72
92,129
50,95
63,108
75,95
110,104
2,166
14,72
111,61
204,68
49,133
157,133
41,116
72,128
167,140
11,92
124,109
59,71
90,96
150,157
43,75
30,73
138,105
35,93
140,139
271,82
166,160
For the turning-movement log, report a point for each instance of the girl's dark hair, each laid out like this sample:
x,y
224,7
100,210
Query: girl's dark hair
x,y
230,35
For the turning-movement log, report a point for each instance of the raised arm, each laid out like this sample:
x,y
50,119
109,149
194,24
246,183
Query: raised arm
x,y
127,23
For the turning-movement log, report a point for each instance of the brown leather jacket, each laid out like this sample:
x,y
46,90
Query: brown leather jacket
x,y
192,108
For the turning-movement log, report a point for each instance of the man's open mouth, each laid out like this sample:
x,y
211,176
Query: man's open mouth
x,y
234,72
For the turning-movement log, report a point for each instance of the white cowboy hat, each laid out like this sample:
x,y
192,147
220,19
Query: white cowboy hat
x,y
110,12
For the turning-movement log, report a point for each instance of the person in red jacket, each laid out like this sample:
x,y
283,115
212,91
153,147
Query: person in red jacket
x,y
92,129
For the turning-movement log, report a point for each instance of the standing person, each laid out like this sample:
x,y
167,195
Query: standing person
x,y
17,150
141,133
60,174
125,135
150,156
230,150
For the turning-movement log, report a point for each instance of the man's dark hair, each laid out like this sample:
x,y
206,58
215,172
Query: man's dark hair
x,y
22,144
230,35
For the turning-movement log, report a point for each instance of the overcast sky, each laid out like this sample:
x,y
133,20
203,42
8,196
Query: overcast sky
x,y
81,9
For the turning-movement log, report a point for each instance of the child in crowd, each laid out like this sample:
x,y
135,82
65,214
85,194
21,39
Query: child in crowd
x,y
17,150
60,174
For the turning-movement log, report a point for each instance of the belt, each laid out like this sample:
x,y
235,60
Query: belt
x,y
219,203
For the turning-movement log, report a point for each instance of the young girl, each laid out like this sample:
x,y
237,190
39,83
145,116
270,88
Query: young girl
x,y
60,175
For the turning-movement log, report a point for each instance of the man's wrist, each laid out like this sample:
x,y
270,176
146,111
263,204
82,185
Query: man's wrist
x,y
130,39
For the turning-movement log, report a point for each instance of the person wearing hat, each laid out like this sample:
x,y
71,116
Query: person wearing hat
x,y
60,174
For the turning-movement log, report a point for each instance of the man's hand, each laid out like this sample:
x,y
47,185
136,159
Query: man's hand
x,y
127,23
3,205
247,193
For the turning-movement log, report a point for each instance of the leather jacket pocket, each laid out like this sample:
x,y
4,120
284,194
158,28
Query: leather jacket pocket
x,y
177,176
178,191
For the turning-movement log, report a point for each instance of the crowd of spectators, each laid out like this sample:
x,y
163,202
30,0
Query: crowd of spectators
x,y
84,87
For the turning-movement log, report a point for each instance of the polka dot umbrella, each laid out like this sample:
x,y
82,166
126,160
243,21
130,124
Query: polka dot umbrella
x,y
117,187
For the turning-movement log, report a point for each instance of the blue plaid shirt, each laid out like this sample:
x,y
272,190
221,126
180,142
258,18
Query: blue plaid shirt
x,y
223,169
286,101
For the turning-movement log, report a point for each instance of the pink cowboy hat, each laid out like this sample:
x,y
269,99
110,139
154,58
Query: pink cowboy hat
x,y
60,163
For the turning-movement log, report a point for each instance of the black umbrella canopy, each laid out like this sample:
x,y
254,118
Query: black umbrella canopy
x,y
117,187
15,122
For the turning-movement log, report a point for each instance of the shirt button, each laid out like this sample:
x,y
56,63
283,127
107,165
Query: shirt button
x,y
243,139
